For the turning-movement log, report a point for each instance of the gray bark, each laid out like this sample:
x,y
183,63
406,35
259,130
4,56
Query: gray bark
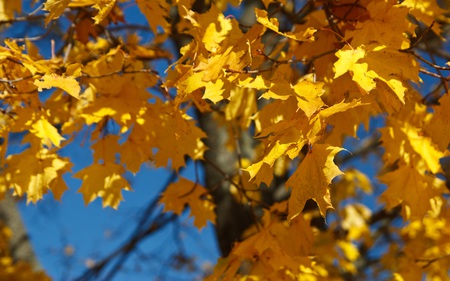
x,y
20,244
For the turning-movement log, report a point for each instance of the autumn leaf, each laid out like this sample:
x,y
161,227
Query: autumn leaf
x,y
440,119
68,84
413,190
312,178
56,8
35,172
185,192
8,8
272,23
103,7
47,132
156,12
105,181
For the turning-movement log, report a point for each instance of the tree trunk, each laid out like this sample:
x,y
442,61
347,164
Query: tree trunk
x,y
20,244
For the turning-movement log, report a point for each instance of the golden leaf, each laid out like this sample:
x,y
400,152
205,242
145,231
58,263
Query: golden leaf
x,y
312,178
156,12
103,180
272,23
412,189
103,7
56,8
185,192
36,172
46,132
68,84
8,8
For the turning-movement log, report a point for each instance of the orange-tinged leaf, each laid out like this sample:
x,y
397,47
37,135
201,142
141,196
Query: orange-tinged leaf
x,y
56,8
440,119
103,180
262,171
185,192
312,178
67,84
46,132
106,149
412,189
156,12
426,11
136,150
386,26
8,8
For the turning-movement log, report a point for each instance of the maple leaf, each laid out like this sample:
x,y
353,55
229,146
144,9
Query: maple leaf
x,y
440,119
106,148
272,23
425,11
8,8
56,8
412,189
383,27
68,84
136,150
103,180
185,192
308,96
156,12
46,131
290,243
312,178
36,172
103,7
374,62
177,135
404,139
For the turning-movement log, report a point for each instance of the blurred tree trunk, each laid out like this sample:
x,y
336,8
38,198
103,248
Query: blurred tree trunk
x,y
20,244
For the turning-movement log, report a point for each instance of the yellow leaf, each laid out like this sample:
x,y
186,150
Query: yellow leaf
x,y
46,132
355,217
103,7
308,96
367,64
412,189
136,149
440,119
178,136
312,178
350,251
8,8
385,26
56,8
426,11
423,146
105,149
103,180
34,173
185,192
241,107
67,84
156,12
272,23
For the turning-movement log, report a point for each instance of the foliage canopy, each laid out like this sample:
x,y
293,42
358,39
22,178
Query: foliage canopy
x,y
302,79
